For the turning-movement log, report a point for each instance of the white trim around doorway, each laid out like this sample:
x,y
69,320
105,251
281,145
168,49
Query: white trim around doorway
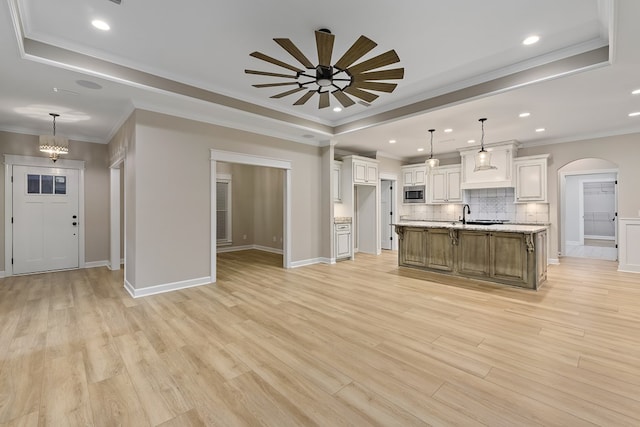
x,y
11,160
247,159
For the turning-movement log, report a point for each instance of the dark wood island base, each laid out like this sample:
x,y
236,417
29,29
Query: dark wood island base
x,y
508,254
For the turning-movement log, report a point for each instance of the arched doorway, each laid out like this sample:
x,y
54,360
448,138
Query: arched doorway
x,y
588,209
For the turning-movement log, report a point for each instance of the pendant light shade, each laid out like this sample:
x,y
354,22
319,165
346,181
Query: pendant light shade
x,y
52,144
483,158
433,163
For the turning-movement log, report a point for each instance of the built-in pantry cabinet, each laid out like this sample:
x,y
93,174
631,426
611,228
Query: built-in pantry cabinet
x,y
444,184
531,178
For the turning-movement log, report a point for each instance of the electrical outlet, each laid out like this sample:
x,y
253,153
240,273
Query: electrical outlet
x,y
244,237
274,238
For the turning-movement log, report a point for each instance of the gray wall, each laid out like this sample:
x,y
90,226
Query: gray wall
x,y
96,189
172,186
621,150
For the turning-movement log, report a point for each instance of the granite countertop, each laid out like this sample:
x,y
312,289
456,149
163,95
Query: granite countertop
x,y
508,227
342,220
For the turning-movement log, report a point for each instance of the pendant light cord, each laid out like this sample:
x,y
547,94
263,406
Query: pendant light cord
x,y
482,137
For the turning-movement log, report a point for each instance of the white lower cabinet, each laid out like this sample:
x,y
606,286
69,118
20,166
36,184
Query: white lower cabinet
x,y
343,241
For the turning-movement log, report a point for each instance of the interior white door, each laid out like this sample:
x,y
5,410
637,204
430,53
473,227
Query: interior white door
x,y
45,219
386,232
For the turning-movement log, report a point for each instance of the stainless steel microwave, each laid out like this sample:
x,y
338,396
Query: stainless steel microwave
x,y
414,194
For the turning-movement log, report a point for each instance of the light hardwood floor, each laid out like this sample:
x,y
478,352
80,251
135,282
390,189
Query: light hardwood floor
x,y
359,343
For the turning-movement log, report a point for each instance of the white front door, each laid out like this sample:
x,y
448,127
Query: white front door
x,y
45,219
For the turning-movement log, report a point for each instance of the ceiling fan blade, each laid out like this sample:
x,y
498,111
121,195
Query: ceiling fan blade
x,y
275,61
324,42
293,50
264,73
324,100
355,52
275,84
343,99
287,93
359,93
381,87
305,98
390,57
394,73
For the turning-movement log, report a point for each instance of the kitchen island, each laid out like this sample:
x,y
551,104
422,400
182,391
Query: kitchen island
x,y
510,254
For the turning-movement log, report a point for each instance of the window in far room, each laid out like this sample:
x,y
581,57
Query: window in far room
x,y
223,209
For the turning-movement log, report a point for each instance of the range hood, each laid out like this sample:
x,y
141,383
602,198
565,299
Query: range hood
x,y
502,155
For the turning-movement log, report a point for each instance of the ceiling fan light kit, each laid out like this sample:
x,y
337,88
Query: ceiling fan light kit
x,y
343,79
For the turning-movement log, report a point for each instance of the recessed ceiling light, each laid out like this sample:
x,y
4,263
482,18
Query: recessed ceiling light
x,y
101,25
635,92
448,130
634,114
420,149
337,109
530,40
524,114
471,141
392,141
540,130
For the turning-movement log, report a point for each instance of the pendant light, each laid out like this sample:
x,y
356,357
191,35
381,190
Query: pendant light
x,y
433,163
52,144
483,158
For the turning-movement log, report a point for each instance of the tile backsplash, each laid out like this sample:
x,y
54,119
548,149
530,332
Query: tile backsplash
x,y
492,203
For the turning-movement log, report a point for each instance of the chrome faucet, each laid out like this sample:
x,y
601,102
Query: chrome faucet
x,y
466,209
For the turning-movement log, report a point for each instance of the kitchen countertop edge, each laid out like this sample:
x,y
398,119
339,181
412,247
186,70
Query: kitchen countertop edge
x,y
513,228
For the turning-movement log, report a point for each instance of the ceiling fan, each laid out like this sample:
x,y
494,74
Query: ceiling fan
x,y
341,79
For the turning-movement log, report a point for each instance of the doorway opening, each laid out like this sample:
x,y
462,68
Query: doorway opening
x,y
589,212
220,157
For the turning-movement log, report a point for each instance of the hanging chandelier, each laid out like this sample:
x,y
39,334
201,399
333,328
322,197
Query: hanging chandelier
x,y
52,144
433,163
483,158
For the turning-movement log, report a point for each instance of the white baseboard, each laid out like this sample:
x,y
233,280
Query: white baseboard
x,y
573,243
553,261
166,287
268,249
629,268
96,264
1,274
320,260
599,237
248,247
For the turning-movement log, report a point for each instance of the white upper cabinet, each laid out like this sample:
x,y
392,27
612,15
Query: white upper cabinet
x,y
531,178
362,169
502,155
444,184
365,172
336,181
414,175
